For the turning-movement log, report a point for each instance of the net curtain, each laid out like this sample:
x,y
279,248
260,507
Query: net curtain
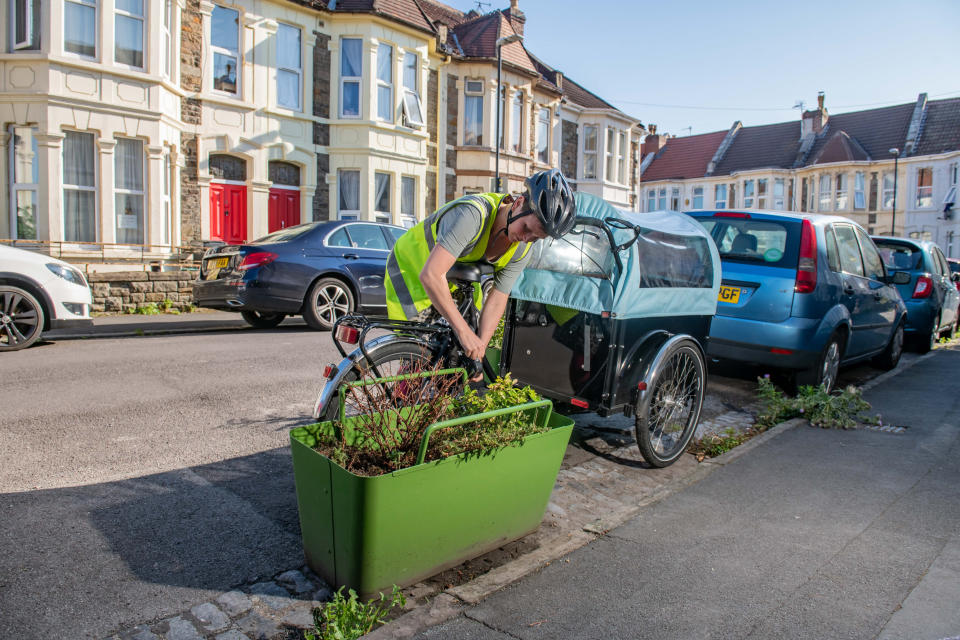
x,y
79,184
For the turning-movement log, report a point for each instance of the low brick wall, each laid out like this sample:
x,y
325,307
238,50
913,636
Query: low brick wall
x,y
127,290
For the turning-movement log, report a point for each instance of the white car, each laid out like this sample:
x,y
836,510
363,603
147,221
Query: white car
x,y
38,293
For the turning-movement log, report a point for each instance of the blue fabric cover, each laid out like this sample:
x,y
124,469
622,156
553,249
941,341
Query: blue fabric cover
x,y
672,270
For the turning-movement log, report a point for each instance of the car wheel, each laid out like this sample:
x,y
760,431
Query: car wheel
x,y
827,367
21,319
890,356
262,320
926,342
329,300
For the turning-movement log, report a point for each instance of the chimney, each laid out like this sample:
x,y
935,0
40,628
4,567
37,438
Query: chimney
x,y
652,128
516,17
558,79
653,142
814,121
442,33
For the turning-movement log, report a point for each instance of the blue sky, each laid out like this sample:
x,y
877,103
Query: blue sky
x,y
704,65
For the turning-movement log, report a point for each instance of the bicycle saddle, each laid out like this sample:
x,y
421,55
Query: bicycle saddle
x,y
469,271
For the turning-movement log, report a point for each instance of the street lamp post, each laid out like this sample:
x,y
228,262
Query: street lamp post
x,y
893,224
513,37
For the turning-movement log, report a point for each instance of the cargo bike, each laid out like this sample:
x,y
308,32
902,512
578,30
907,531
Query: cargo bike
x,y
613,317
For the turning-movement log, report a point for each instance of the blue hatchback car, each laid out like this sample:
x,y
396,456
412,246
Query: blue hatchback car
x,y
801,292
322,270
931,295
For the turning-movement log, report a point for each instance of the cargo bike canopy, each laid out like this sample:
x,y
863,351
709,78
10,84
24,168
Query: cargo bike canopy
x,y
632,265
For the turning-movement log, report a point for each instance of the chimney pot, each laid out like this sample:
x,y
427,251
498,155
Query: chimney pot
x,y
820,97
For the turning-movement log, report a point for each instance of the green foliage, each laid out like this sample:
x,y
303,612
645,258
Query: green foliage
x,y
386,428
149,309
839,410
348,618
166,305
718,443
497,340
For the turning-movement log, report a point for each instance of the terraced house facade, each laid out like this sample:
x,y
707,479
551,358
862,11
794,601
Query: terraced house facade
x,y
893,170
134,129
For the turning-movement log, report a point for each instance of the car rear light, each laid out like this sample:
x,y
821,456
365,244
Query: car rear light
x,y
731,214
257,259
807,264
350,335
577,402
781,352
924,287
329,370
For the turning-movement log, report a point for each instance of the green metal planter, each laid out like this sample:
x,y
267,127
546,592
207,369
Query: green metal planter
x,y
370,533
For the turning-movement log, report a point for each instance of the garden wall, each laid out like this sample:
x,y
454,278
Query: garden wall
x,y
126,290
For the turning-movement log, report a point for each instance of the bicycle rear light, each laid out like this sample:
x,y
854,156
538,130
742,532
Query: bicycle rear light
x,y
350,335
577,402
329,370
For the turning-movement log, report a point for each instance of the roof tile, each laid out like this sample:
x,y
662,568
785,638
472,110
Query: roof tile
x,y
941,128
685,157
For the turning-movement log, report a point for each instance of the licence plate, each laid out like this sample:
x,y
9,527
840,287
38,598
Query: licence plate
x,y
217,263
729,294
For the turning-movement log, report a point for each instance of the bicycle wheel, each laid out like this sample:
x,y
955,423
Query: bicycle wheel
x,y
392,359
670,409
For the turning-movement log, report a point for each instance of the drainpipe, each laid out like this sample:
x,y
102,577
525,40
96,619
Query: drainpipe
x,y
443,142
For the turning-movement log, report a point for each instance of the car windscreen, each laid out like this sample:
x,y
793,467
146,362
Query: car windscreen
x,y
752,240
286,235
898,256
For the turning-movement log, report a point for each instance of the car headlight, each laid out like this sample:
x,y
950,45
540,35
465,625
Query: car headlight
x,y
67,273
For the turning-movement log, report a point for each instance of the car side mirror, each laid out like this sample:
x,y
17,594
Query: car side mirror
x,y
899,277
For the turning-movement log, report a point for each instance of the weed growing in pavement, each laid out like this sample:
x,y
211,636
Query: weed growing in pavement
x,y
717,443
348,618
388,421
838,410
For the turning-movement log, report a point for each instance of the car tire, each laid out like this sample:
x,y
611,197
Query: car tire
x,y
890,357
327,301
827,367
21,319
925,342
259,320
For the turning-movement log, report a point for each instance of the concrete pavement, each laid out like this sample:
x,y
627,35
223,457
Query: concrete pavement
x,y
815,534
160,324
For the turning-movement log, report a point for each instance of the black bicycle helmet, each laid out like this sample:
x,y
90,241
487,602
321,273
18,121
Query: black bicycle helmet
x,y
550,197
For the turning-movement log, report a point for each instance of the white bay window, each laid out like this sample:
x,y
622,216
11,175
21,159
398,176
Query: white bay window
x,y
79,187
289,67
225,42
129,190
128,32
80,27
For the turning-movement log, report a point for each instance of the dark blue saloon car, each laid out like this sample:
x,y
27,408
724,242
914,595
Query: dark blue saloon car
x,y
321,270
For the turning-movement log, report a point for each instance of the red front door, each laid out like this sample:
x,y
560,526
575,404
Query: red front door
x,y
284,209
228,212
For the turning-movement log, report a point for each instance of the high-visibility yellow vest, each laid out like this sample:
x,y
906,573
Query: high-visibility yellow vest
x,y
406,297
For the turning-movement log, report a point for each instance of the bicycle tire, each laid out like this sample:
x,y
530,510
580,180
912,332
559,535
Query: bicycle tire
x,y
389,360
667,416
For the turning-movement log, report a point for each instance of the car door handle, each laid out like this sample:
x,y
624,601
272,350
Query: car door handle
x,y
878,296
351,256
847,289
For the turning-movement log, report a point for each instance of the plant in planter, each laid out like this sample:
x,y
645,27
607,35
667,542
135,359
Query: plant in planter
x,y
447,477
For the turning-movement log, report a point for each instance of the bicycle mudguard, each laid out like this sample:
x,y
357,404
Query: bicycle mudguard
x,y
346,365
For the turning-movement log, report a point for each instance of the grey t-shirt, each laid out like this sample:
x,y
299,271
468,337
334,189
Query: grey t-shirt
x,y
456,232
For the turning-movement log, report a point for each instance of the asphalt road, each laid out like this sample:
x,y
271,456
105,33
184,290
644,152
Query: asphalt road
x,y
141,475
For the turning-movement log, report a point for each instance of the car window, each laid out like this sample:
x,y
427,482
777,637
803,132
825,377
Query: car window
x,y
899,257
833,258
339,238
941,261
395,233
367,236
286,235
871,259
849,249
773,242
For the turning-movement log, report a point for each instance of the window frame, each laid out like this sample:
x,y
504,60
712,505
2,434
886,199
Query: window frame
x,y
887,177
590,153
856,243
651,200
347,214
412,93
473,96
762,192
859,191
621,157
65,186
610,159
841,188
31,17
298,72
696,199
674,198
385,101
779,193
824,192
516,121
216,49
166,200
167,64
91,4
924,192
951,196
23,187
356,80
142,19
662,199
543,135
749,193
408,215
720,196
126,191
381,215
